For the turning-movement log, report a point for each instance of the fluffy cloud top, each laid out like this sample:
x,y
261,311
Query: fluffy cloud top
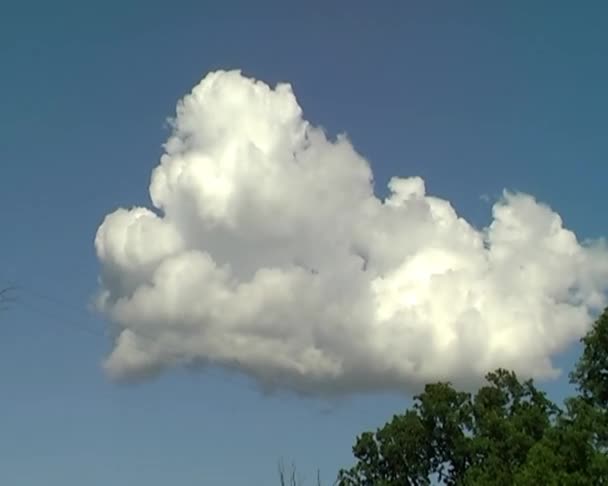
x,y
269,253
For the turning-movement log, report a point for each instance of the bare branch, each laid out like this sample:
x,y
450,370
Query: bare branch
x,y
7,297
292,478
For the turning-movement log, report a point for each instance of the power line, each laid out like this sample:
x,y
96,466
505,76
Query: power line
x,y
80,325
58,302
37,297
65,322
30,299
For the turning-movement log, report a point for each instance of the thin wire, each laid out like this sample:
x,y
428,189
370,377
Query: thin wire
x,y
78,325
58,303
72,323
54,300
66,322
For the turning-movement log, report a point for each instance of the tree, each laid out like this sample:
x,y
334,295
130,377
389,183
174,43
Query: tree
x,y
455,437
569,453
508,433
591,372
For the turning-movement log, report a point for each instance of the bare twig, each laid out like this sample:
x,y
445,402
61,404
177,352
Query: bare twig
x,y
291,478
7,297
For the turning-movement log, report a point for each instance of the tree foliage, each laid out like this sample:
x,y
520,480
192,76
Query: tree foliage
x,y
507,433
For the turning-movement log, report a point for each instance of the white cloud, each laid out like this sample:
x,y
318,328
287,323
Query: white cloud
x,y
269,253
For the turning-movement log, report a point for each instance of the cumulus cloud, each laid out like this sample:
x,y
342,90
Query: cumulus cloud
x,y
267,252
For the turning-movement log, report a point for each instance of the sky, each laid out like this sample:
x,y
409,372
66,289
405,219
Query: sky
x,y
112,373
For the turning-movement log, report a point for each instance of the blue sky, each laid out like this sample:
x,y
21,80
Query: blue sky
x,y
474,98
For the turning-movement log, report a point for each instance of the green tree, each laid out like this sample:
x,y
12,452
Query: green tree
x,y
508,433
574,450
591,372
569,453
454,437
